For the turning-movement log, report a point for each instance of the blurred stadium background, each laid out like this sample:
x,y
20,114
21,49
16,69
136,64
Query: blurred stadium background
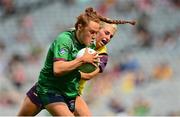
x,y
142,75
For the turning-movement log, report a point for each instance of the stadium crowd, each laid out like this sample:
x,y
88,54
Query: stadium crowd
x,y
143,65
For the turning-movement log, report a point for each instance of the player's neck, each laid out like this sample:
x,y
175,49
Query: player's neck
x,y
78,37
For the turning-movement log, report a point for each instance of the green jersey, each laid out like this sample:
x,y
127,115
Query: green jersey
x,y
65,47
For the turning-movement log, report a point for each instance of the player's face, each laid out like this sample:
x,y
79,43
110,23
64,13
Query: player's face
x,y
89,33
105,34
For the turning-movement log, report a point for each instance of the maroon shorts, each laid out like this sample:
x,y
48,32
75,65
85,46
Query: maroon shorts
x,y
33,96
49,98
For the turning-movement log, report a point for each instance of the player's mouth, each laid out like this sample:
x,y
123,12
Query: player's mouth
x,y
103,42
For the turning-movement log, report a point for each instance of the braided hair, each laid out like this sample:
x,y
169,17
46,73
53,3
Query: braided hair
x,y
90,11
86,17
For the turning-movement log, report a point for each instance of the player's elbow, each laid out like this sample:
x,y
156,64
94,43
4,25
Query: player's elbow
x,y
86,77
57,71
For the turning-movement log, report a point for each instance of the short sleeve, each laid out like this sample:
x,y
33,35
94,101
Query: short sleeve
x,y
61,47
102,51
103,62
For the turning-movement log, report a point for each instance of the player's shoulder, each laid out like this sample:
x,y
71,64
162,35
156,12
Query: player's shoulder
x,y
67,33
65,36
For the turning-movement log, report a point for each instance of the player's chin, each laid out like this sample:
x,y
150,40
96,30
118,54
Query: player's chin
x,y
90,42
87,43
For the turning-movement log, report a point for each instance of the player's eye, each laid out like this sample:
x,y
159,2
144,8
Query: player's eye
x,y
92,32
107,33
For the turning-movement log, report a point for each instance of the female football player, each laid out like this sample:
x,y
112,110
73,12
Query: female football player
x,y
57,89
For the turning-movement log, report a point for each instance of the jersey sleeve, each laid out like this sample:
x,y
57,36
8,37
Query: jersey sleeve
x,y
61,47
103,58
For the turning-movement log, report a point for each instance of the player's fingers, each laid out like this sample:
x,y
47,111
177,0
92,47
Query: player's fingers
x,y
86,50
95,54
95,64
101,43
96,61
96,57
99,56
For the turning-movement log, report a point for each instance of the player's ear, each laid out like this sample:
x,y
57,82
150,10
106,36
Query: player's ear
x,y
79,26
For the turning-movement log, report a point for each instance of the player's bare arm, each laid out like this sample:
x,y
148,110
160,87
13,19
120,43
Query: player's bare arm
x,y
88,76
63,67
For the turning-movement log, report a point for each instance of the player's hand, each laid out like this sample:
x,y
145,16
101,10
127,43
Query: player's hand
x,y
90,58
88,76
